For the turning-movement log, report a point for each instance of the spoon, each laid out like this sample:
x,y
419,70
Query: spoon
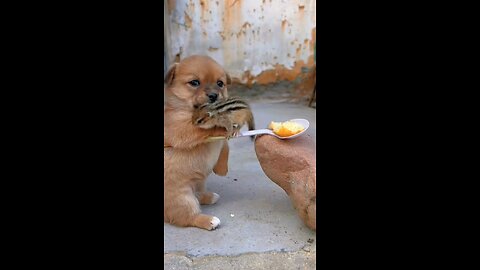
x,y
302,122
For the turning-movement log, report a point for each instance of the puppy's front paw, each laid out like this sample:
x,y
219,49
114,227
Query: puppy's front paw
x,y
214,222
206,222
221,169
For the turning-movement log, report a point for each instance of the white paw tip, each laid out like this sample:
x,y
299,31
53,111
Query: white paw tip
x,y
215,197
215,222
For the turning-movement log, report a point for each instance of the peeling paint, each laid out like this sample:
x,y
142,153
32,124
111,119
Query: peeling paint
x,y
245,25
234,2
188,20
171,5
256,41
284,24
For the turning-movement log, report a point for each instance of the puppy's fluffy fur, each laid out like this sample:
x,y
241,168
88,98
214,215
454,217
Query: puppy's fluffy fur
x,y
189,160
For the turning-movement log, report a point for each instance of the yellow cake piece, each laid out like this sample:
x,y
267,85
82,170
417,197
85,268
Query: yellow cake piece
x,y
285,129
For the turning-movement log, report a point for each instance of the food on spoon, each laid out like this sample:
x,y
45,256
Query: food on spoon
x,y
285,129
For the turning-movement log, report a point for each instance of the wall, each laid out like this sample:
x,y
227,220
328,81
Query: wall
x,y
257,41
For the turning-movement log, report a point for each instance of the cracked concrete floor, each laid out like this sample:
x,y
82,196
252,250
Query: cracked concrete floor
x,y
272,260
258,221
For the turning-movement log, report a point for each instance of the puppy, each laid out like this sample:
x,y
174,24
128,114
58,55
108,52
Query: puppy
x,y
189,159
232,114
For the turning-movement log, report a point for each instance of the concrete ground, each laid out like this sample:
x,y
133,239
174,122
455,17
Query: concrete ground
x,y
259,227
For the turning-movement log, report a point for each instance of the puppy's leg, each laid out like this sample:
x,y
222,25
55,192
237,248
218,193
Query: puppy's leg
x,y
204,196
184,211
221,168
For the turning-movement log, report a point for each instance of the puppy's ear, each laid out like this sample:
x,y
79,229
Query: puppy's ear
x,y
229,80
170,74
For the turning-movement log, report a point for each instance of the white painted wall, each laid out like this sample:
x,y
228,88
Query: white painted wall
x,y
242,35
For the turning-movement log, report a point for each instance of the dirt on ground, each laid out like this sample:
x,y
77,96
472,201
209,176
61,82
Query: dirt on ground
x,y
302,259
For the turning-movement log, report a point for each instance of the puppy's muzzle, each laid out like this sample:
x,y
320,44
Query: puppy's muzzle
x,y
212,97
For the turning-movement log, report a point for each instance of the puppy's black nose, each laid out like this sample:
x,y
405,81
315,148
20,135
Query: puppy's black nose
x,y
212,96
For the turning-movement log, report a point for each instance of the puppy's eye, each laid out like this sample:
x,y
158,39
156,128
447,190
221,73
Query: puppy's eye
x,y
194,83
220,84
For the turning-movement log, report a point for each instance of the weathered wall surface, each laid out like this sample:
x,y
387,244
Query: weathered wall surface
x,y
257,41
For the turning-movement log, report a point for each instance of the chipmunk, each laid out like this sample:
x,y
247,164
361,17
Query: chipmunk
x,y
232,114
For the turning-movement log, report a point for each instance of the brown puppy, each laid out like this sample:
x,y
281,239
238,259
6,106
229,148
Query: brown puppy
x,y
189,160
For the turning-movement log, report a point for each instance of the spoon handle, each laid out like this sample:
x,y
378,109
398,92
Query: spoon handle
x,y
255,132
244,134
